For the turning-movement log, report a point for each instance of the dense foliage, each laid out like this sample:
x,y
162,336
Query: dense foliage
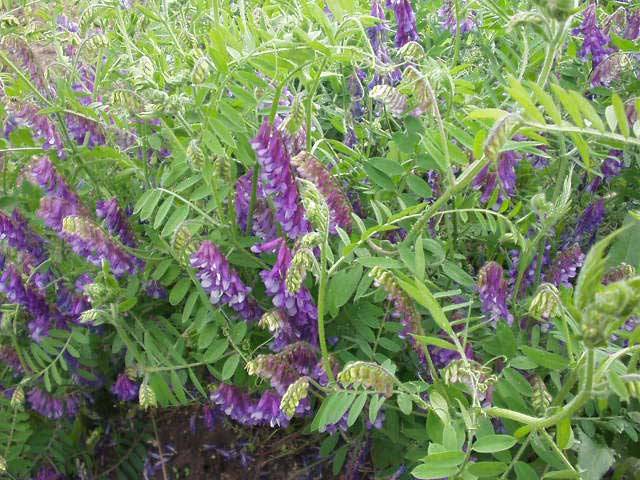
x,y
403,228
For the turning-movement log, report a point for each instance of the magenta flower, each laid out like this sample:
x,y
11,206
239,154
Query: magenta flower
x,y
222,283
278,181
282,369
493,291
406,20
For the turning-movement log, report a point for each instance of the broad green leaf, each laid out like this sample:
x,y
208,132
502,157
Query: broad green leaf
x,y
486,469
356,408
229,367
563,433
520,94
549,360
420,293
426,472
621,115
494,443
179,291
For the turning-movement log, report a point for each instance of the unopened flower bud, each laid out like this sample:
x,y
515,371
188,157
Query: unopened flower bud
x,y
271,320
294,395
541,398
369,375
3,465
17,399
540,205
411,51
546,302
616,274
97,41
147,397
294,121
195,155
499,134
315,206
200,72
300,264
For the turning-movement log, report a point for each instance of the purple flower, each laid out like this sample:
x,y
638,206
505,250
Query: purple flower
x,y
378,33
610,168
81,128
507,171
278,182
340,210
48,473
9,357
124,388
283,368
52,407
209,417
595,41
263,225
628,327
493,291
42,127
442,357
406,20
44,316
64,23
115,221
487,182
154,289
267,411
234,402
299,309
590,221
565,266
632,30
357,94
19,235
529,277
90,242
222,283
449,22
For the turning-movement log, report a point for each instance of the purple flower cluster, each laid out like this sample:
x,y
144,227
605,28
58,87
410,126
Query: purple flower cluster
x,y
154,289
263,224
299,309
81,128
124,388
241,407
53,407
21,237
596,42
43,129
340,210
590,221
283,368
378,39
9,357
406,20
448,20
115,221
43,315
529,277
278,181
494,291
565,266
48,473
487,181
610,168
222,283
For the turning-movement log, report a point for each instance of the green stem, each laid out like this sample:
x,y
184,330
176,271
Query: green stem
x,y
519,453
552,51
312,93
322,293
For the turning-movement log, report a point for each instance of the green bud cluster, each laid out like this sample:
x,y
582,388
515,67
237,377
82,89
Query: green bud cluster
x,y
201,70
369,375
541,398
300,264
195,155
499,134
294,395
546,302
295,119
271,320
315,206
412,51
17,398
470,373
559,10
147,397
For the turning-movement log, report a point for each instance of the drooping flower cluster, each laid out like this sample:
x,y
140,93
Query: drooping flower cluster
x,y
487,181
241,407
222,283
285,367
589,222
610,168
406,21
298,309
596,43
49,473
310,168
403,309
42,127
565,266
51,406
115,220
278,181
529,276
450,22
378,39
124,388
43,315
89,241
263,224
10,358
494,290
81,128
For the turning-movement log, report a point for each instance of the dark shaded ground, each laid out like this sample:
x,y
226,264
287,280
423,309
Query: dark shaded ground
x,y
228,452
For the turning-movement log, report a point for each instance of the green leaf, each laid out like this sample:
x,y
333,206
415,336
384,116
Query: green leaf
x,y
625,248
436,341
563,433
356,408
524,471
594,459
162,212
340,403
178,216
621,116
419,186
215,350
405,403
520,94
494,443
375,404
179,291
486,469
427,472
342,286
549,360
420,293
546,101
618,386
457,274
389,167
564,474
517,381
230,366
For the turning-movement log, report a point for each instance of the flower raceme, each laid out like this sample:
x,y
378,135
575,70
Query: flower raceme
x,y
222,283
494,290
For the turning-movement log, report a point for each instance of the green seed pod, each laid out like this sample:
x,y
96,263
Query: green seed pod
x,y
300,264
97,41
294,395
147,397
546,302
315,206
17,399
271,320
412,51
499,134
89,316
293,123
195,155
541,398
201,70
369,375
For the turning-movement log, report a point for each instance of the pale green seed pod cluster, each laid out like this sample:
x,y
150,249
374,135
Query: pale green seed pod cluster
x,y
89,316
124,99
271,320
529,18
611,307
183,243
310,240
195,155
411,51
546,302
297,391
315,206
470,373
222,168
97,42
300,264
499,134
541,398
393,100
369,375
17,398
3,465
147,397
294,121
201,70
